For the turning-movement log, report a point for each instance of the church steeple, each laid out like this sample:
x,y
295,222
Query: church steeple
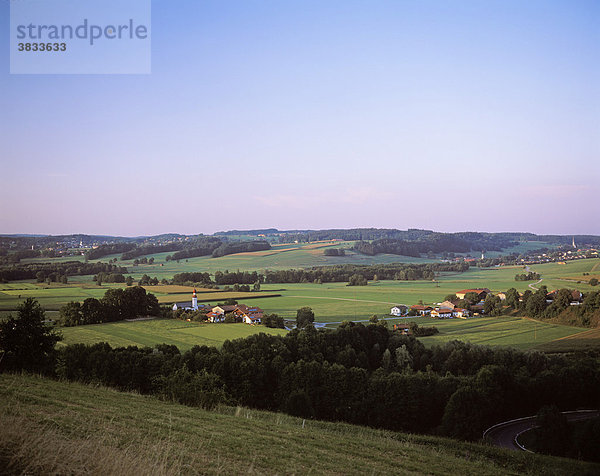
x,y
574,247
194,301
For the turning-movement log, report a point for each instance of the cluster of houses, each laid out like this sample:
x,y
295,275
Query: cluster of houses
x,y
448,310
240,312
575,298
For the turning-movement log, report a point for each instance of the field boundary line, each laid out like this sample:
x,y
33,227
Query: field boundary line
x,y
342,299
573,335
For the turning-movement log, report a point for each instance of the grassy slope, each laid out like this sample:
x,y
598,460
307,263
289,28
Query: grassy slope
x,y
54,427
183,334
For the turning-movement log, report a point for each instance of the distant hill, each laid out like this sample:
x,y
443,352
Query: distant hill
x,y
369,241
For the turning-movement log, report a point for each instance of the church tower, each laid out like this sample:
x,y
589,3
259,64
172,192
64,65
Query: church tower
x,y
574,247
194,301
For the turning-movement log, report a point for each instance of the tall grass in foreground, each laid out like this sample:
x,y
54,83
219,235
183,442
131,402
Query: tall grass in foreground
x,y
50,427
27,447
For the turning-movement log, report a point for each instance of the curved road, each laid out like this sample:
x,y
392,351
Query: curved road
x,y
505,434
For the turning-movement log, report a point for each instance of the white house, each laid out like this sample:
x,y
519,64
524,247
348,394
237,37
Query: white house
x,y
398,311
252,319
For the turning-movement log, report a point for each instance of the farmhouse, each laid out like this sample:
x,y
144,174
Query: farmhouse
x,y
447,305
477,309
442,313
399,311
481,292
460,313
215,317
224,309
575,297
422,310
240,312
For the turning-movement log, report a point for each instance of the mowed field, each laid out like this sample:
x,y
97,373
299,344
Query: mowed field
x,y
520,333
588,339
149,333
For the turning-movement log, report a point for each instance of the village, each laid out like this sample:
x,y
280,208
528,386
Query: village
x,y
468,303
237,312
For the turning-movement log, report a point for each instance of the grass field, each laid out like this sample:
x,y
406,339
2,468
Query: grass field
x,y
183,334
51,427
585,340
53,297
524,334
336,302
283,256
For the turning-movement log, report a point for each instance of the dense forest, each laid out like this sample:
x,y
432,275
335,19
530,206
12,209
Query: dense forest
x,y
434,243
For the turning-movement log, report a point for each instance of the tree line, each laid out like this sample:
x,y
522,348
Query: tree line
x,y
423,240
109,249
584,312
142,250
334,252
45,270
531,276
116,305
559,309
215,247
368,375
433,243
343,273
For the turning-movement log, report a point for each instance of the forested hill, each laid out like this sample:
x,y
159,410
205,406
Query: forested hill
x,y
476,240
369,241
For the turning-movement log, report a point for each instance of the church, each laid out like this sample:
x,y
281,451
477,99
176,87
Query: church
x,y
187,306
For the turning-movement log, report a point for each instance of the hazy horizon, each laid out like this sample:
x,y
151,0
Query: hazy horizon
x,y
208,233
316,115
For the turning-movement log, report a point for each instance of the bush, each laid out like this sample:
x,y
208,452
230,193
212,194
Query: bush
x,y
197,389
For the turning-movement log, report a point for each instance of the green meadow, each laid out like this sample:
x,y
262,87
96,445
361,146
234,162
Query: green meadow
x,y
281,256
148,333
520,333
332,303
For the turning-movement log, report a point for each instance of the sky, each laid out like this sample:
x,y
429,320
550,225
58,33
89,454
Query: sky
x,y
450,116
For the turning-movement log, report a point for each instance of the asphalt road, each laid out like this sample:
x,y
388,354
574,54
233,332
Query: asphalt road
x,y
504,434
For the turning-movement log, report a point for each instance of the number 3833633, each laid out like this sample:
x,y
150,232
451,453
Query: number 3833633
x,y
42,47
